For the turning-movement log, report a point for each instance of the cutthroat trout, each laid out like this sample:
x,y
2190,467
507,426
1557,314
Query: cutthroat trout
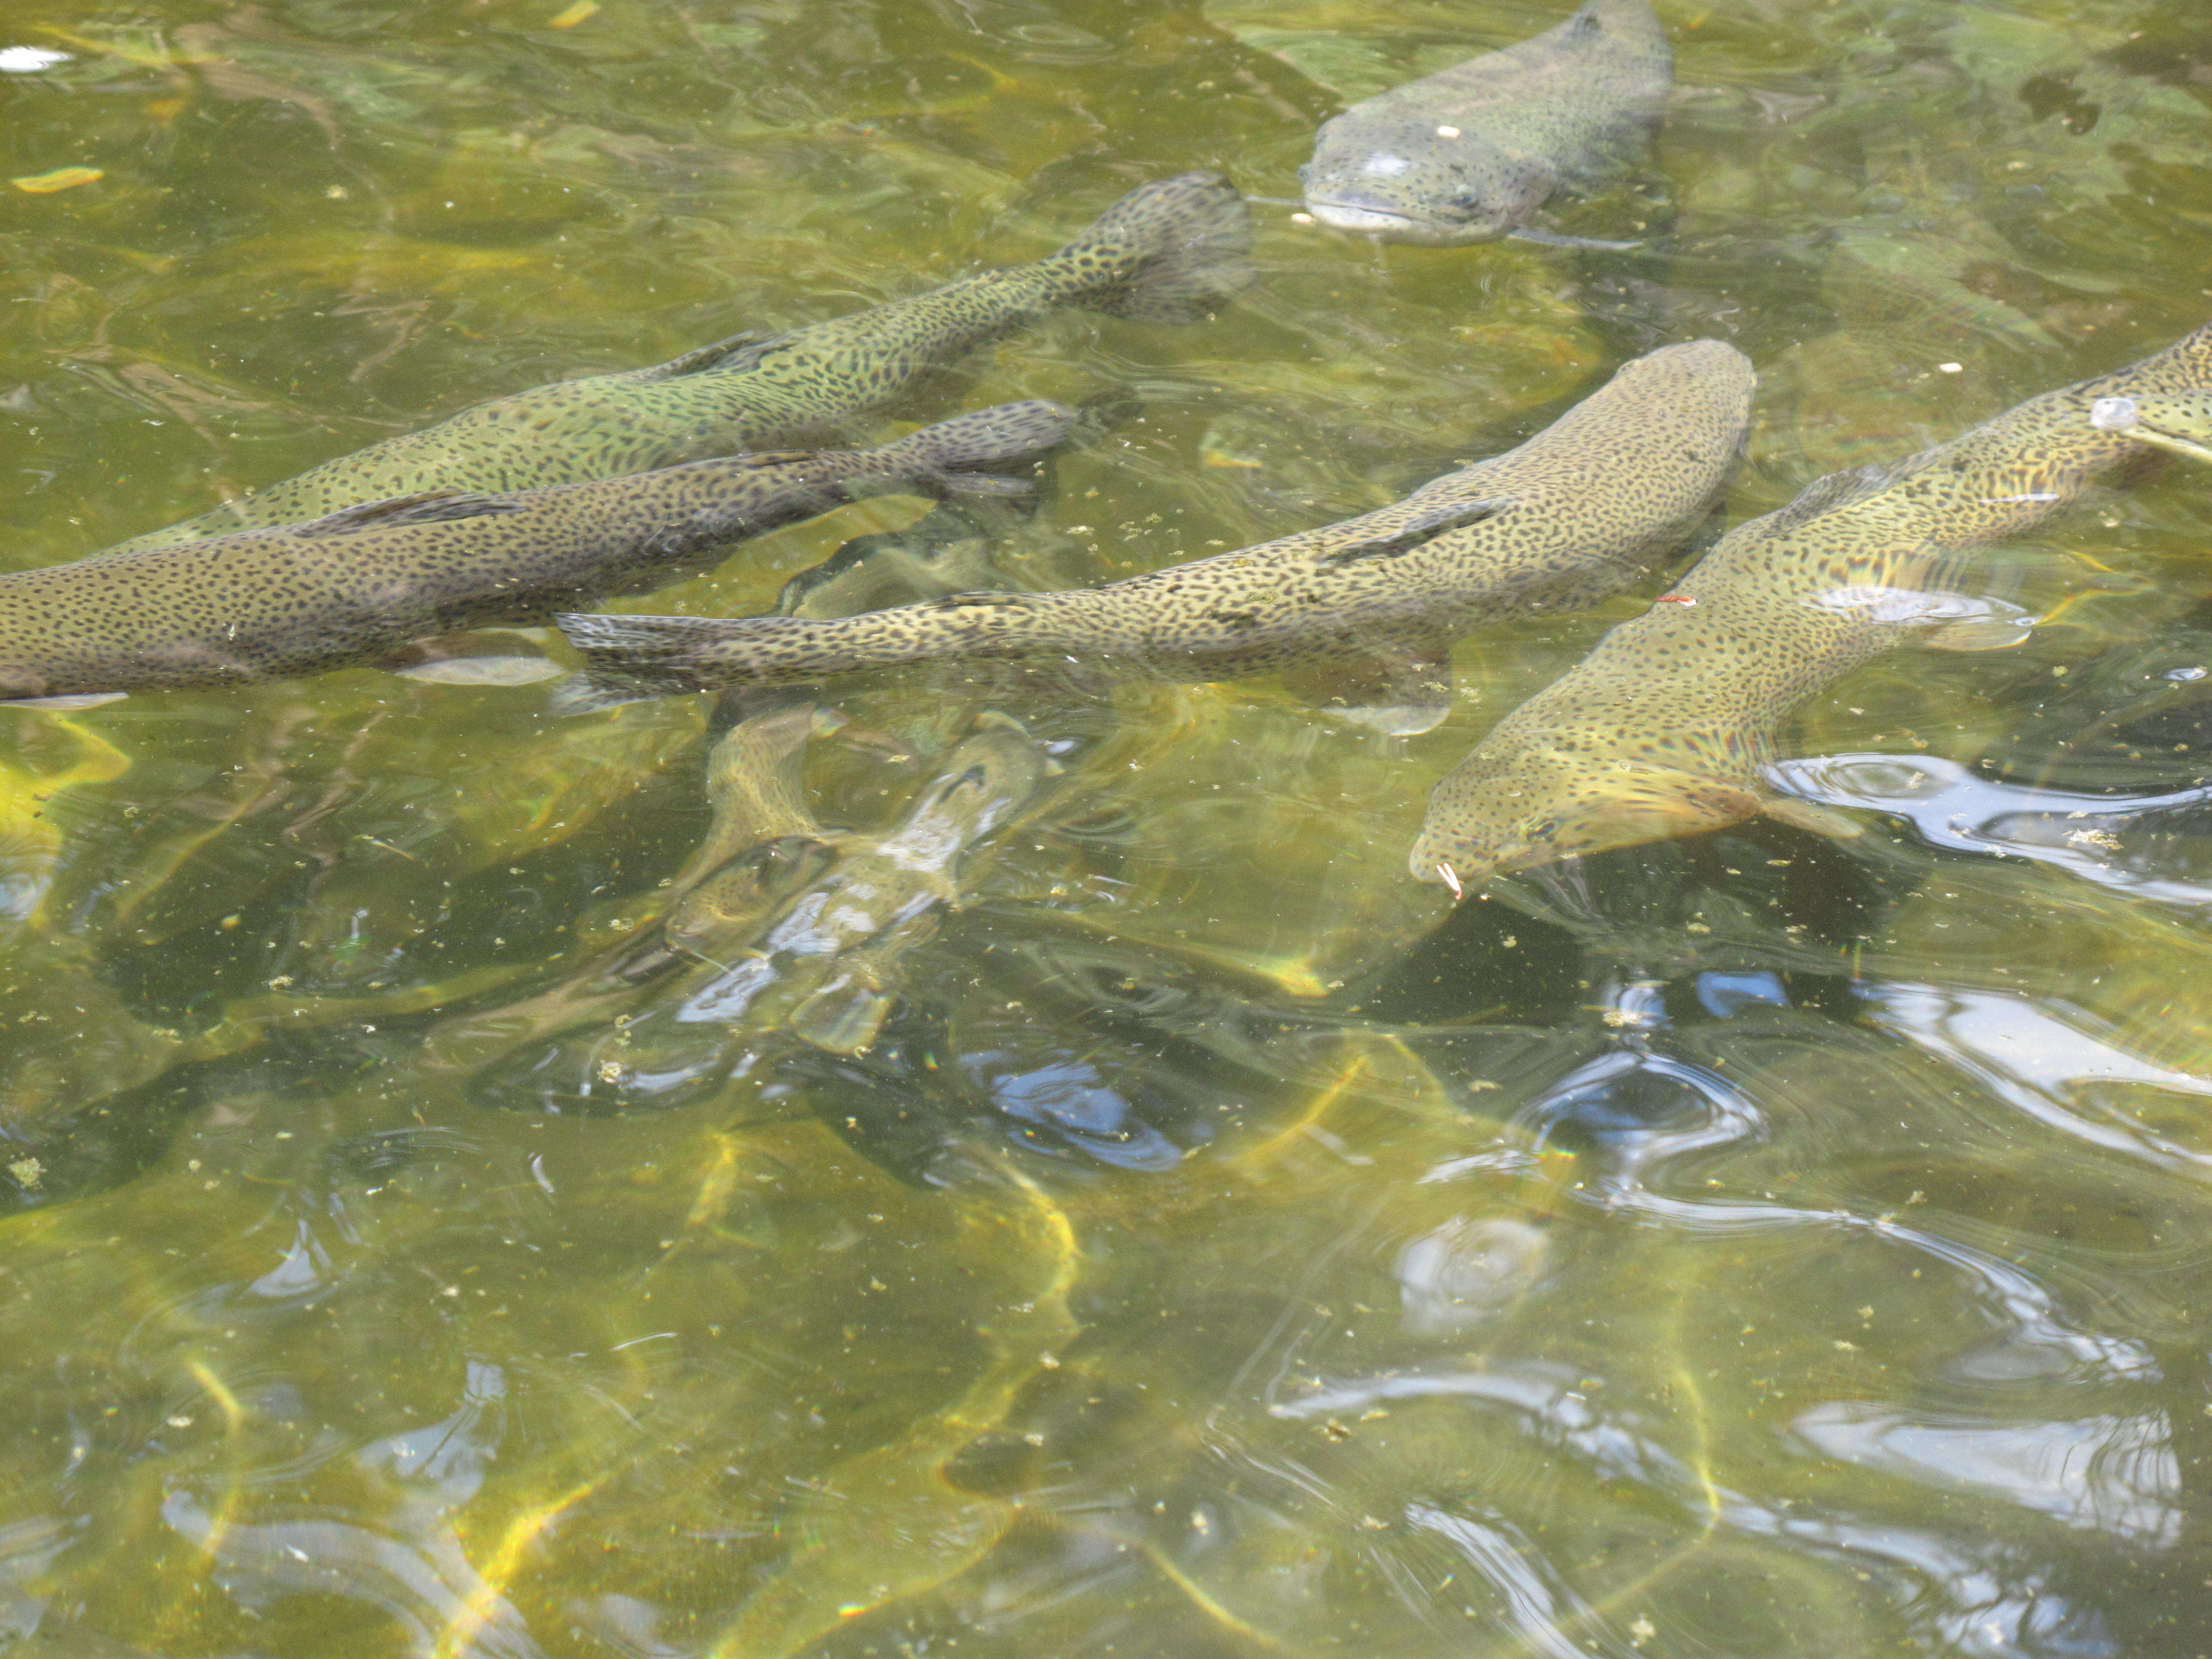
x,y
1467,155
1168,252
1575,513
358,584
1669,726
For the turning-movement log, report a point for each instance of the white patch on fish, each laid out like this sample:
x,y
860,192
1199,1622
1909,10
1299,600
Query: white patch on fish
x,y
481,671
80,699
1909,605
1345,216
2114,414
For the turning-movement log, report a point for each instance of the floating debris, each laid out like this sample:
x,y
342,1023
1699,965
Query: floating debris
x,y
46,184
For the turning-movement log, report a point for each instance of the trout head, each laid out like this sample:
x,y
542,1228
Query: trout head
x,y
1536,806
1406,179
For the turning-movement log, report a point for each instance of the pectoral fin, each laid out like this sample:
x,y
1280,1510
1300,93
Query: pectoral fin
x,y
1711,805
1401,696
1806,815
722,354
1999,634
1553,239
80,699
479,670
983,484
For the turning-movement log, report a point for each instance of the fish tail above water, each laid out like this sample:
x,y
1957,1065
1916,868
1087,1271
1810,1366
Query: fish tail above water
x,y
972,454
1166,253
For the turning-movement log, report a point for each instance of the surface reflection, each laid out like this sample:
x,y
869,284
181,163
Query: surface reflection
x,y
2112,840
1145,1223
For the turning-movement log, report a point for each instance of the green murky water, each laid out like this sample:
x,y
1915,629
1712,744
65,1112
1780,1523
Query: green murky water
x,y
1752,1247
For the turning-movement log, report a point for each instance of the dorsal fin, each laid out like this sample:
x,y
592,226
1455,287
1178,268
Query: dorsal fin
x,y
971,601
1841,489
1418,532
429,507
736,352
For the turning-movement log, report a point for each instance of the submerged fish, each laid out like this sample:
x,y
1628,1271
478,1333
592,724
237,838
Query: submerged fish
x,y
764,840
359,585
1168,252
754,783
828,963
1468,155
948,550
1575,513
806,932
1670,726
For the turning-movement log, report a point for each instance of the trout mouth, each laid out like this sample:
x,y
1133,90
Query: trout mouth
x,y
1358,215
1370,219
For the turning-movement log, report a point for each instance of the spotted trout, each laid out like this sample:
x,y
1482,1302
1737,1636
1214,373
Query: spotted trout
x,y
1467,155
358,584
1670,726
1573,514
2178,422
1168,252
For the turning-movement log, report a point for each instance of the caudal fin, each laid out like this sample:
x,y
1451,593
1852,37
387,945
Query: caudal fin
x,y
1170,251
984,453
628,659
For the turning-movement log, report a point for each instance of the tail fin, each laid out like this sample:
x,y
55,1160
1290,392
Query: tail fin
x,y
1170,252
973,453
629,658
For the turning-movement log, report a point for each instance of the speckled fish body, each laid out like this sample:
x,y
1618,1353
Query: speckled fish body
x,y
1575,513
355,587
1168,252
1469,154
2179,422
1667,728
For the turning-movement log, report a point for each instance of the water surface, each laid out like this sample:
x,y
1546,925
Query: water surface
x,y
1757,1246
